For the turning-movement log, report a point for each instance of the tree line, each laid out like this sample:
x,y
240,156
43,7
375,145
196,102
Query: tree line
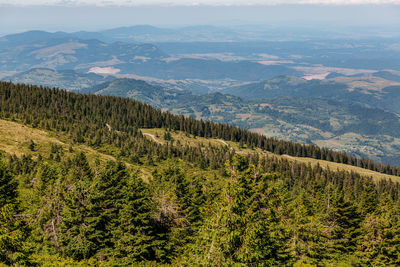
x,y
260,211
84,117
201,205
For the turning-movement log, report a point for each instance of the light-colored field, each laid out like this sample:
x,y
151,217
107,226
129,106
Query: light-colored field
x,y
15,139
318,69
367,82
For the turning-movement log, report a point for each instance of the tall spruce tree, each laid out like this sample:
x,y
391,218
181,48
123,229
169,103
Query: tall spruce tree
x,y
13,231
76,227
345,220
133,235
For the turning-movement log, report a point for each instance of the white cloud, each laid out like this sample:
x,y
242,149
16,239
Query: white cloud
x,y
188,2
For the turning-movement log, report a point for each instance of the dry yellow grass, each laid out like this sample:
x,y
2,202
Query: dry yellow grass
x,y
368,82
157,135
339,166
184,139
15,139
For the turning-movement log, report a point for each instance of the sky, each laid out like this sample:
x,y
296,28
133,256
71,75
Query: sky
x,y
189,2
93,15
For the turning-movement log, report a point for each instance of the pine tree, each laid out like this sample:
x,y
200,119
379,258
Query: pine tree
x,y
106,197
243,229
369,198
346,222
380,242
13,231
134,234
32,146
308,235
76,227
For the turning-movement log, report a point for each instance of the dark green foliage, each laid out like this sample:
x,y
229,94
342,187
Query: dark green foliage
x,y
8,186
262,211
32,146
250,220
79,235
167,136
13,231
133,233
346,221
102,119
258,210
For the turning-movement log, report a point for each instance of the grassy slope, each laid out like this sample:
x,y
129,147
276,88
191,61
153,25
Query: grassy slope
x,y
301,112
158,134
15,139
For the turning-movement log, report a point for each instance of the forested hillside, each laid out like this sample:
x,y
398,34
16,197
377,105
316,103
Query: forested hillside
x,y
247,62
359,130
90,188
85,116
367,90
67,79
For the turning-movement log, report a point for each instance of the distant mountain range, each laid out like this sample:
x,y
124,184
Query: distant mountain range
x,y
66,79
348,90
63,51
155,95
338,93
357,129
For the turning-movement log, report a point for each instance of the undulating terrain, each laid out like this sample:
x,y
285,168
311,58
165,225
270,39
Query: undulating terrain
x,y
340,91
91,180
358,128
200,133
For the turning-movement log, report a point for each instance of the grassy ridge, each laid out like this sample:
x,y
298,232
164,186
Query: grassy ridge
x,y
158,135
15,139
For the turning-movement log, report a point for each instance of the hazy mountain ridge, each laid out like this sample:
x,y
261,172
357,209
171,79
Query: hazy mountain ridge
x,y
268,70
360,130
66,79
139,90
63,51
60,51
344,91
289,86
97,180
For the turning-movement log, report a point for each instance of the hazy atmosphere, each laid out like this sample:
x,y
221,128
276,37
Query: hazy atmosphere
x,y
17,16
200,133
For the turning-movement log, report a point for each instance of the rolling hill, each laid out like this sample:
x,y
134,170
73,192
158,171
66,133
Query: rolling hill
x,y
72,51
67,79
290,86
359,130
155,95
92,180
368,90
50,50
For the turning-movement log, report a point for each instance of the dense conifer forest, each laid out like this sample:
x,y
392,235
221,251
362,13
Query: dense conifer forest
x,y
84,118
201,205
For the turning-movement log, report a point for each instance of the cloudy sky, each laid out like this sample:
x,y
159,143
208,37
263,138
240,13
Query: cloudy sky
x,y
74,15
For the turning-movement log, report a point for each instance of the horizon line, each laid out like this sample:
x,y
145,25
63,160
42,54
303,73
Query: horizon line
x,y
89,3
